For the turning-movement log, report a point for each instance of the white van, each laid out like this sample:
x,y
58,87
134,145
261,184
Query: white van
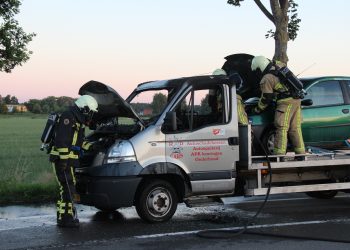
x,y
168,141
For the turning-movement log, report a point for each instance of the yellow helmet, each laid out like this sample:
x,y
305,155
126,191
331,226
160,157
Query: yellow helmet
x,y
260,62
87,103
219,72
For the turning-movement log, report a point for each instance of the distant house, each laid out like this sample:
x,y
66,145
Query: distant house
x,y
146,112
16,108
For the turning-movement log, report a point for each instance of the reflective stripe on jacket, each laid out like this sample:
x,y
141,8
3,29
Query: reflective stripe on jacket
x,y
272,89
69,135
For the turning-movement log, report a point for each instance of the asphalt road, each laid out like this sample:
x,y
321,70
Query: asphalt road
x,y
296,221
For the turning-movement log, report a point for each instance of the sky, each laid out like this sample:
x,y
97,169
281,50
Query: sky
x,y
124,43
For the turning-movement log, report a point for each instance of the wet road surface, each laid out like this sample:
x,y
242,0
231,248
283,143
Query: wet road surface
x,y
34,227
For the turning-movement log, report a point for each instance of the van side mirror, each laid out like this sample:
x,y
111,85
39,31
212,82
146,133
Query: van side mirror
x,y
307,102
170,121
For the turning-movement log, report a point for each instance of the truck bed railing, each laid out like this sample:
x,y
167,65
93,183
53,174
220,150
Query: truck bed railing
x,y
319,160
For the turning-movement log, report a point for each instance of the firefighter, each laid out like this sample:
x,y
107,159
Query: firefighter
x,y
242,115
64,155
287,118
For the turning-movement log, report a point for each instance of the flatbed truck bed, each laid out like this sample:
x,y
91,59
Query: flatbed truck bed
x,y
321,171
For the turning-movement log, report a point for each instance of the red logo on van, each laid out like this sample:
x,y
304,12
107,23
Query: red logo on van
x,y
177,155
216,131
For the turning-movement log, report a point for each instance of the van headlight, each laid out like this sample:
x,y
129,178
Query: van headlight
x,y
121,151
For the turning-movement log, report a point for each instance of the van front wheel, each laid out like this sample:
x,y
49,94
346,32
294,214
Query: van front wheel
x,y
156,201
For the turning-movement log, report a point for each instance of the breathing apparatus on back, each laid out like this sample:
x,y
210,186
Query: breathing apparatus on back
x,y
294,85
87,106
48,132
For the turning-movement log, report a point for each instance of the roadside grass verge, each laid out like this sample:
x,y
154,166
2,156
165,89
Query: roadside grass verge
x,y
25,173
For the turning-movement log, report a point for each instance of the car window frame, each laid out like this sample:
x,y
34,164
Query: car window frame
x,y
346,89
343,91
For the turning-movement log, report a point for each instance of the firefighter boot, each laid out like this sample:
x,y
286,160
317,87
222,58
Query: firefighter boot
x,y
67,220
66,216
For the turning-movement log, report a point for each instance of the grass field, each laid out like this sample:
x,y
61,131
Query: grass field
x,y
25,172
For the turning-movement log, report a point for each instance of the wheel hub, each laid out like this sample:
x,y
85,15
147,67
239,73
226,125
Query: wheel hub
x,y
158,202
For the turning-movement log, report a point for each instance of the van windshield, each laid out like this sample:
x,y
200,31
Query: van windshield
x,y
149,104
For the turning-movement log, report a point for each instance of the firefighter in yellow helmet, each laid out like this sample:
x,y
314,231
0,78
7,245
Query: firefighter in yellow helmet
x,y
64,155
242,115
288,113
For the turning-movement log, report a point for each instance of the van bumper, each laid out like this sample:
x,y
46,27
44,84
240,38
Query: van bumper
x,y
109,186
107,192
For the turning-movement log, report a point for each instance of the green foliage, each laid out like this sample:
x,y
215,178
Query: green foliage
x,y
158,103
283,14
27,193
49,104
3,108
139,107
293,24
235,2
37,109
13,39
8,99
26,174
9,8
205,108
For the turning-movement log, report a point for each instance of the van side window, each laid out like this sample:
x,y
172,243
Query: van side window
x,y
200,108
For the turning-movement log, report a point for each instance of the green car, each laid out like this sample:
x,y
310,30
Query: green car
x,y
325,108
325,112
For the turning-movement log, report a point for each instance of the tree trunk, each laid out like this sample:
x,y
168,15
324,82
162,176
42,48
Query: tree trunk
x,y
281,42
279,9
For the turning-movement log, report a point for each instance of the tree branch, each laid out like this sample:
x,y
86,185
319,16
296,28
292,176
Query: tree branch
x,y
276,9
265,11
284,6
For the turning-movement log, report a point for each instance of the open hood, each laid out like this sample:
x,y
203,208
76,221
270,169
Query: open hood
x,y
241,63
110,103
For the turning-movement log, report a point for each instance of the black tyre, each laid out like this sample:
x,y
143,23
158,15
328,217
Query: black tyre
x,y
329,194
156,201
268,141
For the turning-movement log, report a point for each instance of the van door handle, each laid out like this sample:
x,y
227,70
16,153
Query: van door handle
x,y
345,111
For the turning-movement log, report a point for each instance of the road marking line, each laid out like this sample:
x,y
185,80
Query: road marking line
x,y
249,227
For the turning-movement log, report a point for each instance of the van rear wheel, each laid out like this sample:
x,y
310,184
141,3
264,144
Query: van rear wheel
x,y
156,201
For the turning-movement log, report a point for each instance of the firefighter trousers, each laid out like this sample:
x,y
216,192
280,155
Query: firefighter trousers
x,y
67,192
288,125
242,115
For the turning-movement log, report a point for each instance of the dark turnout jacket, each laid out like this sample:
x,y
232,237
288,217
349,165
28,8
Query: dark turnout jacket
x,y
69,138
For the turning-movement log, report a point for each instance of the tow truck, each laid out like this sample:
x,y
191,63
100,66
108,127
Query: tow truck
x,y
192,150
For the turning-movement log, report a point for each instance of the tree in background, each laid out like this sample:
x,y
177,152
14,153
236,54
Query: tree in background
x,y
139,107
49,104
285,18
13,40
3,108
158,103
13,100
205,108
37,109
8,99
